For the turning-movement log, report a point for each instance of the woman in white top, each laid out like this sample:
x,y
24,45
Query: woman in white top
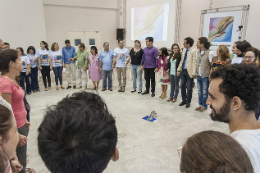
x,y
34,69
44,64
56,56
25,71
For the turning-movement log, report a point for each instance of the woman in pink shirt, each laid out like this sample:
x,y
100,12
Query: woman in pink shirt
x,y
10,66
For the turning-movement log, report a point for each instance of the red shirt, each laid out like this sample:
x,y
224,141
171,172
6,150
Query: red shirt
x,y
6,86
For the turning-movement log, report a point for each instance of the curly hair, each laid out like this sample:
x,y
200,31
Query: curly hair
x,y
77,135
224,52
241,80
205,42
214,152
52,46
255,51
6,56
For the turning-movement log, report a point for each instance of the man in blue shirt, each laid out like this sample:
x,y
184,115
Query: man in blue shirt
x,y
68,52
105,64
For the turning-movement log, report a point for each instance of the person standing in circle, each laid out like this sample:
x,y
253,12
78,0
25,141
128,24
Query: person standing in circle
x,y
94,73
56,56
163,75
44,64
34,69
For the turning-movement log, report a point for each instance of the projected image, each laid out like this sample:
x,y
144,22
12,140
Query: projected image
x,y
220,29
150,21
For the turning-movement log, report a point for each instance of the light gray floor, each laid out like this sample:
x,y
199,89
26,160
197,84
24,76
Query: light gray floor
x,y
144,146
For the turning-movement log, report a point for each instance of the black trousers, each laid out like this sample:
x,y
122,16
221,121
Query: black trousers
x,y
21,151
185,79
46,73
149,74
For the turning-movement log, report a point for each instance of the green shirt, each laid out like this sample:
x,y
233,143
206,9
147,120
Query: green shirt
x,y
82,58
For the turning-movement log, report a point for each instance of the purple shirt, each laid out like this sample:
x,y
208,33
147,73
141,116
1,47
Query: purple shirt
x,y
150,57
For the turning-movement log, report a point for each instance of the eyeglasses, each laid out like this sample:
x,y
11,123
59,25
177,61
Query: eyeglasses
x,y
248,57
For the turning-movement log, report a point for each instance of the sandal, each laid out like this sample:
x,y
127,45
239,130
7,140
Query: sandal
x,y
174,100
46,89
94,88
170,99
30,170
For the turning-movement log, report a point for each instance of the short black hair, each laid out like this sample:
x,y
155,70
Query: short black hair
x,y
5,43
67,41
190,41
82,45
31,48
95,48
120,40
77,135
241,80
150,39
243,46
6,56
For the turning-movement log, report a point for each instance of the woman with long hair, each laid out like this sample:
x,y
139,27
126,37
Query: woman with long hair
x,y
164,77
10,66
34,69
94,73
136,55
214,152
44,63
172,66
26,70
56,55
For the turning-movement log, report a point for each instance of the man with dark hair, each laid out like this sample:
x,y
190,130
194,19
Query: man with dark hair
x,y
242,46
234,97
78,135
187,71
150,64
68,53
204,57
82,66
6,45
120,55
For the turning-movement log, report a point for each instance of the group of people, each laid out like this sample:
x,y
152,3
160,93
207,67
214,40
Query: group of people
x,y
233,96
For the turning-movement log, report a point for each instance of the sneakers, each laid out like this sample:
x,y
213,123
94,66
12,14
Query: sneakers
x,y
202,109
123,89
182,103
198,108
120,89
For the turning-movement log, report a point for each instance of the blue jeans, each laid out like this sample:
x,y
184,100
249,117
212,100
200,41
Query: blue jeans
x,y
203,90
107,75
174,80
137,74
58,74
27,81
34,79
185,79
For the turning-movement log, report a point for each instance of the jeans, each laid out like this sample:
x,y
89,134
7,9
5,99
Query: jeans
x,y
22,151
203,90
137,74
121,73
149,74
27,80
46,73
174,80
107,77
185,79
34,79
58,74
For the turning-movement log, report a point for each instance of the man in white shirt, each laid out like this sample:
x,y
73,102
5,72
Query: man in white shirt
x,y
234,97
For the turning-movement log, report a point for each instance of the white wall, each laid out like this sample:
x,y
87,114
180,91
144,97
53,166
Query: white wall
x,y
190,17
28,15
81,15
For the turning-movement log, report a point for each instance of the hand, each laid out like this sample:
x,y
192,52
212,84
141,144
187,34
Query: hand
x,y
51,68
40,67
194,77
100,69
71,59
28,124
27,73
22,140
178,74
141,67
168,71
209,80
85,68
156,70
113,67
15,164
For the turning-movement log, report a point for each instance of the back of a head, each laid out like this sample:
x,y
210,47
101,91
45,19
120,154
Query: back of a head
x,y
241,80
214,152
77,135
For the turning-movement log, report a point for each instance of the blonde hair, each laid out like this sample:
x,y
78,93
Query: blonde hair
x,y
224,52
52,46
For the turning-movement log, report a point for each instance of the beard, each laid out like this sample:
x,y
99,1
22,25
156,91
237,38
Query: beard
x,y
222,115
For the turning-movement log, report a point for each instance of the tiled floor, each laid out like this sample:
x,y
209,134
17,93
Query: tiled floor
x,y
144,146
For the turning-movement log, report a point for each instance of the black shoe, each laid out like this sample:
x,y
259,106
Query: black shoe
x,y
153,94
110,89
103,90
145,92
139,92
74,87
29,93
187,105
68,87
120,89
182,103
133,91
